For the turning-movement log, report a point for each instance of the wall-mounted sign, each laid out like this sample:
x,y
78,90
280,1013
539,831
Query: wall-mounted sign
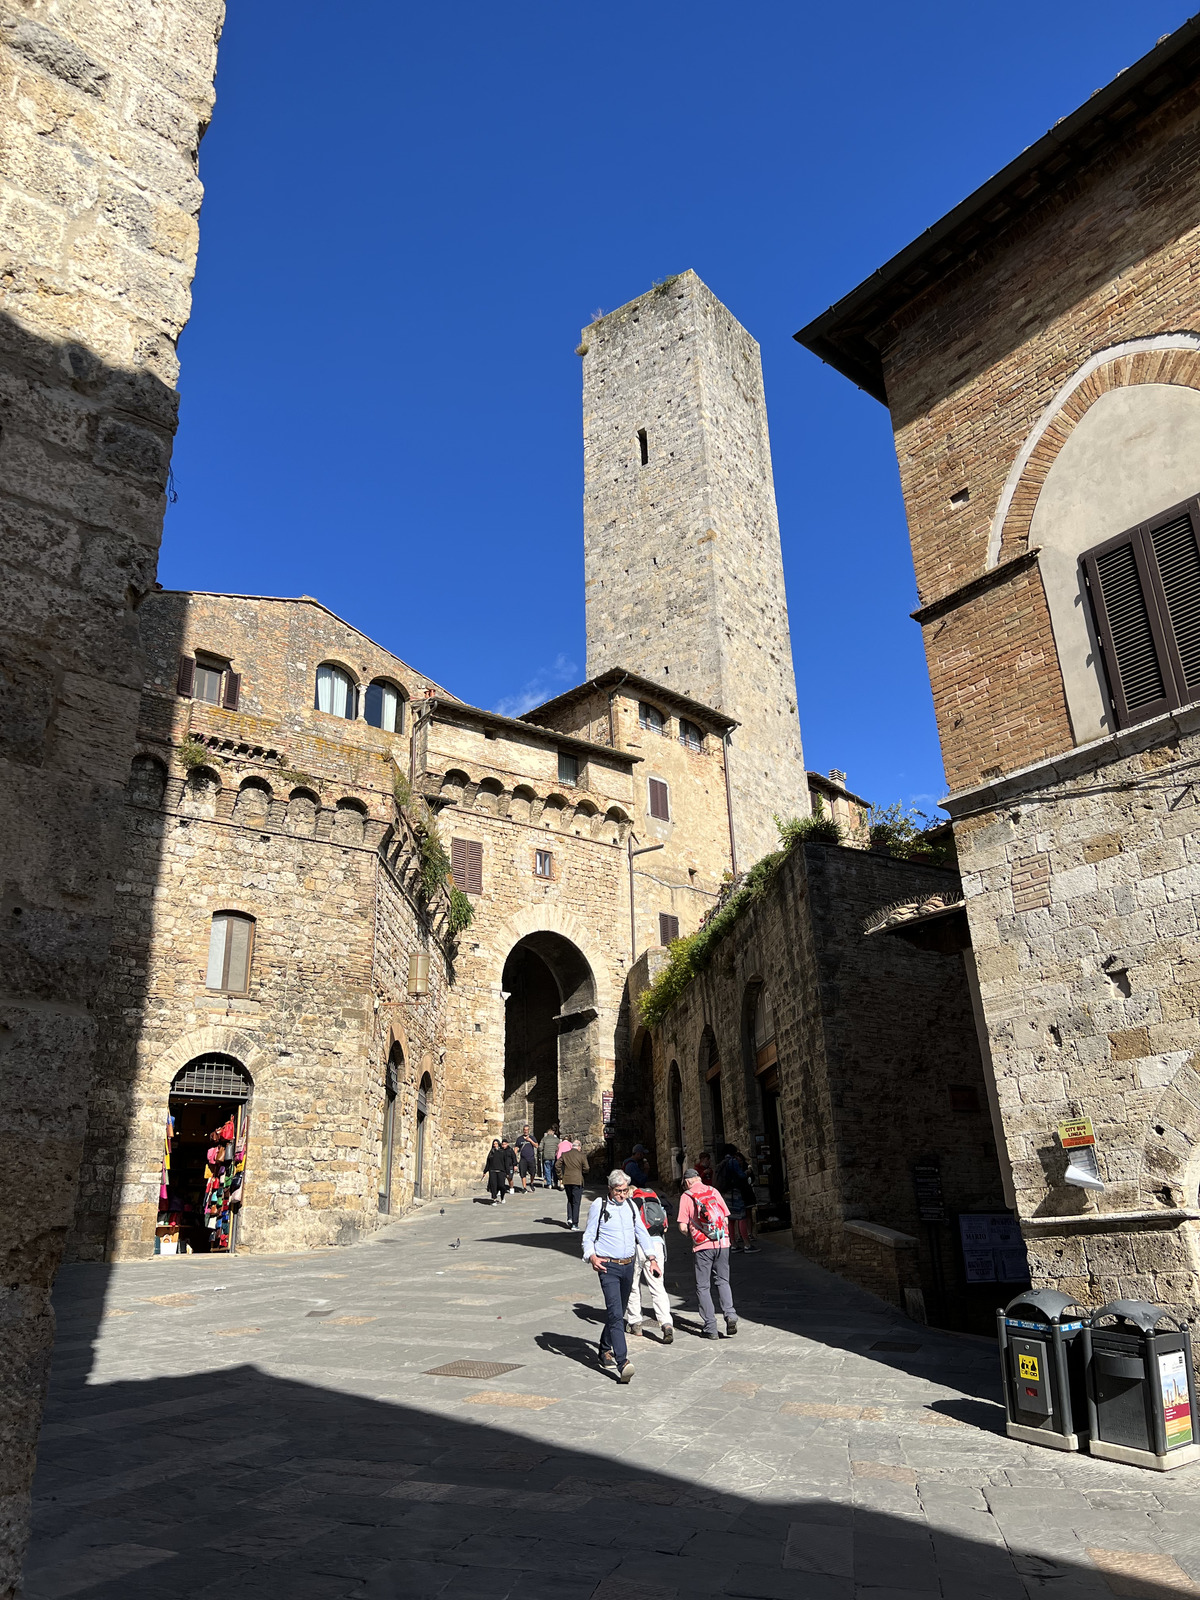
x,y
1077,1134
927,1185
1078,1139
993,1249
606,1106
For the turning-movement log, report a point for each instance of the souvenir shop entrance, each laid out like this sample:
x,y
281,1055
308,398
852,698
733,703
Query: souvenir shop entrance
x,y
204,1159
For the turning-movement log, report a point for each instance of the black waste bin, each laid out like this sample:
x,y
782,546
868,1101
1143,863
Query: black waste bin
x,y
1041,1358
1140,1388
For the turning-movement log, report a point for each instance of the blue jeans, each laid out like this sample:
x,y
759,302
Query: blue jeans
x,y
615,1284
548,1171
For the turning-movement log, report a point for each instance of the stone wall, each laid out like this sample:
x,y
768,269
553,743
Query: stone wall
x,y
871,1036
101,112
683,572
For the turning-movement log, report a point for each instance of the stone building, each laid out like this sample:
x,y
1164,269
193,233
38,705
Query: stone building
x,y
682,566
102,106
1039,349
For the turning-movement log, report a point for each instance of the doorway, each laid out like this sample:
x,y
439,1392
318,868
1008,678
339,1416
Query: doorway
x,y
423,1097
675,1110
387,1150
204,1158
549,1039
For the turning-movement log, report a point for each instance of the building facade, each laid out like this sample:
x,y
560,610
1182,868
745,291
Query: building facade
x,y
1039,349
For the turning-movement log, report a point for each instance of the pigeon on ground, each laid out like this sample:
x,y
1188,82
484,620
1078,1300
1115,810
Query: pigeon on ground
x,y
456,1244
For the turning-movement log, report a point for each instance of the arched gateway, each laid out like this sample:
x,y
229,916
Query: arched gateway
x,y
550,1037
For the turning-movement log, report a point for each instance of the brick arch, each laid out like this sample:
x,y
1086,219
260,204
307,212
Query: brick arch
x,y
1171,1158
215,1040
1170,358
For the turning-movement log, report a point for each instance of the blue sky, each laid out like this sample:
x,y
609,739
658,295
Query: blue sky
x,y
411,211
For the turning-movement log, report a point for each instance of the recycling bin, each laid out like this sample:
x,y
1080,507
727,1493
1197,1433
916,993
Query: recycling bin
x,y
1041,1358
1141,1392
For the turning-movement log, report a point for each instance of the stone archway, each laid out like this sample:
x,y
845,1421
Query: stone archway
x,y
550,1038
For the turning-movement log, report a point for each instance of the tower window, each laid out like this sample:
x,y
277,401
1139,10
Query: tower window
x,y
543,864
650,718
568,768
659,800
643,446
668,928
690,734
230,945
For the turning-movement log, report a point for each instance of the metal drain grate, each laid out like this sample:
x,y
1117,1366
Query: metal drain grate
x,y
472,1369
893,1344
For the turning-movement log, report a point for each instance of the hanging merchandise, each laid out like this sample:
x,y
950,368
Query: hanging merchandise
x,y
218,1183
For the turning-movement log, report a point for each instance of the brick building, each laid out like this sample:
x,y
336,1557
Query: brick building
x,y
1039,350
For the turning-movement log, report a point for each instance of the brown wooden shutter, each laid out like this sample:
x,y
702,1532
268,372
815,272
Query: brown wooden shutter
x,y
474,867
668,928
187,675
233,687
1171,541
458,862
658,800
1128,627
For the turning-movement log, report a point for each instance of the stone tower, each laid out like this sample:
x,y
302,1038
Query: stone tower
x,y
684,578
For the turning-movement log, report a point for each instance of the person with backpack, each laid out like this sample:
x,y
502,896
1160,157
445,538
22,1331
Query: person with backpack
x,y
738,1193
635,1167
654,1215
614,1235
704,1216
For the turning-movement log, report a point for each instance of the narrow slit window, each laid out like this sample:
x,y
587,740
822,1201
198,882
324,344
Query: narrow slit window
x,y
643,446
230,947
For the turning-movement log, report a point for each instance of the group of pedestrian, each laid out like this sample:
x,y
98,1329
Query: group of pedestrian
x,y
511,1167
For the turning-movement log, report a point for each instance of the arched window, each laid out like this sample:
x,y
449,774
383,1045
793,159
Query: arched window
x,y
230,949
424,1102
650,718
690,734
391,1088
383,706
336,692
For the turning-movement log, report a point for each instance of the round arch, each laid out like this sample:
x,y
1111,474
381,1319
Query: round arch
x,y
549,1036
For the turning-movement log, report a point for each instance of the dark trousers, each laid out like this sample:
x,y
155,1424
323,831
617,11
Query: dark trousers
x,y
574,1195
712,1269
615,1284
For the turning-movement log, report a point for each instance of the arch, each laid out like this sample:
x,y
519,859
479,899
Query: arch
x,y
253,800
1161,358
675,1124
392,1078
383,705
763,1102
201,791
204,1168
712,1105
550,1036
348,818
424,1110
554,811
213,1076
619,821
521,803
455,783
147,782
303,806
489,795
336,692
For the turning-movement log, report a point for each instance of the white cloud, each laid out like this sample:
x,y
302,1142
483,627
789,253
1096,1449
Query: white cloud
x,y
544,685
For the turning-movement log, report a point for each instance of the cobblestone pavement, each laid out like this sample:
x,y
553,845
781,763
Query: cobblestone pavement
x,y
267,1426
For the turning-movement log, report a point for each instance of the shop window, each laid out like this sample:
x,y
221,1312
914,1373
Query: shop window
x,y
668,928
543,864
466,865
568,768
204,1162
230,948
383,706
691,734
660,803
336,692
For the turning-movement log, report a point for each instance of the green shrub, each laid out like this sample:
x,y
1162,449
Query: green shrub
x,y
462,912
905,835
819,828
193,754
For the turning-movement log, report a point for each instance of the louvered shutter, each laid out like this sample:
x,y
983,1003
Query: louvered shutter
x,y
668,928
233,687
658,800
474,867
458,862
187,675
1171,541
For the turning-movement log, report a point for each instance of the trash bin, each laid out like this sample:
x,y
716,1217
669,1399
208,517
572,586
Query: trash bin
x,y
1041,1358
1140,1388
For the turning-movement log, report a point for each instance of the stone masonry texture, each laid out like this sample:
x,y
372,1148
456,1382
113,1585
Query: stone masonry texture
x,y
682,565
1080,859
871,1036
102,106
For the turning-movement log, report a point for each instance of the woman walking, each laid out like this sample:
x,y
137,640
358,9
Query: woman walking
x,y
495,1170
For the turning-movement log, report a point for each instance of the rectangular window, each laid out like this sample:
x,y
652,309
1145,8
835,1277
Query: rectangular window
x,y
1145,592
207,683
668,928
230,946
568,768
543,864
659,800
690,735
466,865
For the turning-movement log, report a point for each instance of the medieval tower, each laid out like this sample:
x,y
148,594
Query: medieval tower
x,y
684,577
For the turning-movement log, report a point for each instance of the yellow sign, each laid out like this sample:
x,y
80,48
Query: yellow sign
x,y
1027,1366
1074,1134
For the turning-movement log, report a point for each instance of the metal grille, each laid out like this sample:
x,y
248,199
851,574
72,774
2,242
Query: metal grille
x,y
213,1078
472,1369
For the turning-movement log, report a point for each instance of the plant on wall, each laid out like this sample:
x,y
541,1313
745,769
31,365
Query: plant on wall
x,y
193,754
431,855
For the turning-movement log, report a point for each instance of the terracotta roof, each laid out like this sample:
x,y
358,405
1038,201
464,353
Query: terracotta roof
x,y
656,691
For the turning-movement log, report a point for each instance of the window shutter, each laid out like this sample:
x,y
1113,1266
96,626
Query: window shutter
x,y
187,675
474,867
458,862
668,928
658,800
233,686
1177,559
1127,625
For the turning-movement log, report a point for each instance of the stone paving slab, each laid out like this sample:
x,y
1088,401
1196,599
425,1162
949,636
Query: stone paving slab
x,y
208,1435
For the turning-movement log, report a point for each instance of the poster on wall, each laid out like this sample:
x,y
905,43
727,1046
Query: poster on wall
x,y
993,1250
1176,1400
606,1100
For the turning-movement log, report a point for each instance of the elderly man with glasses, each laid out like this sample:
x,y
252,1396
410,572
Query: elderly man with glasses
x,y
614,1234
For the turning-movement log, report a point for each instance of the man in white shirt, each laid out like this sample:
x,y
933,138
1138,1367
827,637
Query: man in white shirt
x,y
614,1234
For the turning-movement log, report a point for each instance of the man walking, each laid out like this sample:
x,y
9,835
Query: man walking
x,y
571,1167
615,1233
704,1216
527,1154
549,1149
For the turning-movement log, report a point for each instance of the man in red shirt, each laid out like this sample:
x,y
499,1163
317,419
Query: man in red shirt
x,y
704,1218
